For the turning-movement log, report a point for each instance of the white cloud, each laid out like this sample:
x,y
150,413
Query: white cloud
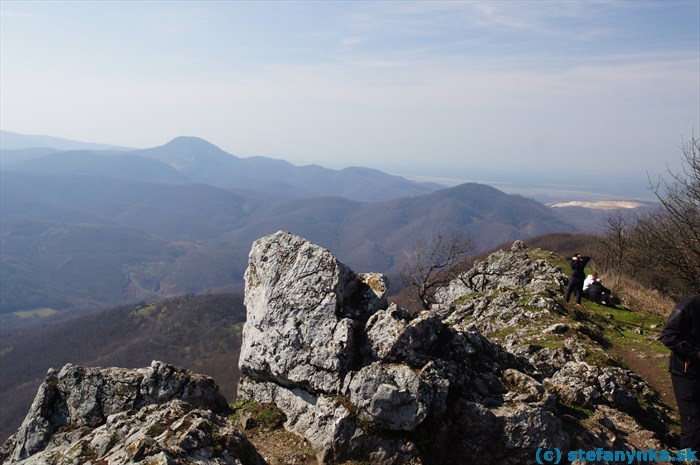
x,y
350,42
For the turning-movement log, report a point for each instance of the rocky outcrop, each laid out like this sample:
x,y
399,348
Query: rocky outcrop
x,y
156,415
497,370
303,310
361,379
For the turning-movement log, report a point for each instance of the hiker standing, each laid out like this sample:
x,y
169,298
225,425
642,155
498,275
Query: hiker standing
x,y
578,264
682,335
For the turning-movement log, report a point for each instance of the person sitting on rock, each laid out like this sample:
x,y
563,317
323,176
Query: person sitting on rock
x,y
587,282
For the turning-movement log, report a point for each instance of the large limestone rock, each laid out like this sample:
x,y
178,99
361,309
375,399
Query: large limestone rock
x,y
303,310
158,415
361,379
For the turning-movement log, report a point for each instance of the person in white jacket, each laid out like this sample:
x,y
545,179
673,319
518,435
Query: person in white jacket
x,y
589,280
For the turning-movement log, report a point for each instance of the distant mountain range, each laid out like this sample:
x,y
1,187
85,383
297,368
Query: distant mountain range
x,y
13,141
194,160
89,227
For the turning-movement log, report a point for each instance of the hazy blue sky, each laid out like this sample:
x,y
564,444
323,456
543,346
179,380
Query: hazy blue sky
x,y
429,87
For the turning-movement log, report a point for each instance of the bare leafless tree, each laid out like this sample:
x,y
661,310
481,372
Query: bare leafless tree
x,y
434,263
616,244
668,240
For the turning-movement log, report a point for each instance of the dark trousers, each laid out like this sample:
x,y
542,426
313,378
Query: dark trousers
x,y
575,286
687,392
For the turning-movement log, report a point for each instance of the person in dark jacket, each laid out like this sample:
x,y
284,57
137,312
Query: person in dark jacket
x,y
682,335
599,293
578,264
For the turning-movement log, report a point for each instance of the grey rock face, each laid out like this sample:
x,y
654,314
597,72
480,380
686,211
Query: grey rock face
x,y
393,396
170,433
506,270
313,302
161,413
581,384
361,379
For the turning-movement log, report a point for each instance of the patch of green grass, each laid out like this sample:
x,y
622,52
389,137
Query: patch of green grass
x,y
551,343
467,297
240,404
574,410
155,429
552,258
219,443
630,334
263,415
502,333
633,318
620,327
601,359
658,347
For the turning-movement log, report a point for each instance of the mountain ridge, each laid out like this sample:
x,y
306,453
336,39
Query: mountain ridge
x,y
195,224
199,223
16,140
199,161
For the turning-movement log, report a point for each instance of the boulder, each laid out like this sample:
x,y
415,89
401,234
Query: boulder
x,y
393,396
304,308
160,414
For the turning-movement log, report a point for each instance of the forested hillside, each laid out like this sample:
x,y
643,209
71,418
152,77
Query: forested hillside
x,y
87,229
201,333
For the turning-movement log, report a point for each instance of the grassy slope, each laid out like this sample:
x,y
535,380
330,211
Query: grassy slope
x,y
624,336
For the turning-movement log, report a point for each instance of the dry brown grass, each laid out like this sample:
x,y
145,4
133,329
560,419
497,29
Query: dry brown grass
x,y
634,295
